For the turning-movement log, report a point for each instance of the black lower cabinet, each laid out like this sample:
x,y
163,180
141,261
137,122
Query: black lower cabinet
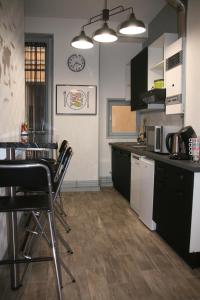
x,y
172,211
121,171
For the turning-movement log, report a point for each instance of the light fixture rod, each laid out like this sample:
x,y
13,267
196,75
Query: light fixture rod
x,y
91,19
106,14
118,7
124,10
91,22
106,4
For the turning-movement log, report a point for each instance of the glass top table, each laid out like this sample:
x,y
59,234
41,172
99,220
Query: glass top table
x,y
34,141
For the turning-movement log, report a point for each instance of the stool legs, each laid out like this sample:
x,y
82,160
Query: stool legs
x,y
62,221
61,204
55,255
39,230
13,250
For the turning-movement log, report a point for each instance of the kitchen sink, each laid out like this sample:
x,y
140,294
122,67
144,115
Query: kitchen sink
x,y
138,146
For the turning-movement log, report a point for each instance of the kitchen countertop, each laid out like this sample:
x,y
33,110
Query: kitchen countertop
x,y
133,147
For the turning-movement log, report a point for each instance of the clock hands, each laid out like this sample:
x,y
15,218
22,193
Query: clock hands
x,y
76,62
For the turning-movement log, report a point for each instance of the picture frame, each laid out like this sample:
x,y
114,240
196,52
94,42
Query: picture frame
x,y
76,99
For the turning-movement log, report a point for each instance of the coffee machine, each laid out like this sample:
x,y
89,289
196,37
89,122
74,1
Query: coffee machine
x,y
178,143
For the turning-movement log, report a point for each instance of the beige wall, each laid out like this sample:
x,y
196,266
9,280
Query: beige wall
x,y
192,105
11,79
11,66
114,60
80,130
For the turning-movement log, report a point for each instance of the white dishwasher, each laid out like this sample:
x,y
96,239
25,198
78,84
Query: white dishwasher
x,y
146,192
135,182
142,188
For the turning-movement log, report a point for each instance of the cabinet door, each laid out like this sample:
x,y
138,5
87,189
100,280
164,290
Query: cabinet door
x,y
139,65
115,161
174,81
121,171
160,197
173,192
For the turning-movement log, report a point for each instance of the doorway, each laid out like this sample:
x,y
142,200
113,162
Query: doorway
x,y
39,82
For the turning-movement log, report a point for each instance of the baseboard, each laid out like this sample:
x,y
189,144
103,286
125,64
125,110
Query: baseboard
x,y
81,186
105,181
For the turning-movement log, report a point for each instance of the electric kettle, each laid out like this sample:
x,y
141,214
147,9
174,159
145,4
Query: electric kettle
x,y
173,143
178,143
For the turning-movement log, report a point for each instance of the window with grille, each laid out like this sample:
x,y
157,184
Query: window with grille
x,y
36,86
35,67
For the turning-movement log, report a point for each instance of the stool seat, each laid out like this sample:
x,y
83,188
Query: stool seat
x,y
28,203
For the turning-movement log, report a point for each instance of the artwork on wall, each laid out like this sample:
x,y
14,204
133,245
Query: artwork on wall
x,y
76,99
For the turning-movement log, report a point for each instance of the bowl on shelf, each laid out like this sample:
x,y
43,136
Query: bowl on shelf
x,y
159,84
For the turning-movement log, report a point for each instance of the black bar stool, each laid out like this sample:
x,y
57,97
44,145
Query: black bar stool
x,y
33,231
56,167
25,173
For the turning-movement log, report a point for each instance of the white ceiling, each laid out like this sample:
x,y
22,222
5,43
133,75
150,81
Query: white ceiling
x,y
145,10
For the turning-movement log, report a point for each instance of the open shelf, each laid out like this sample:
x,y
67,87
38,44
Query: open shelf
x,y
158,67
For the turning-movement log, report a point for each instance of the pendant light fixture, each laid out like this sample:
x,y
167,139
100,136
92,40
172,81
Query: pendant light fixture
x,y
132,26
106,34
82,41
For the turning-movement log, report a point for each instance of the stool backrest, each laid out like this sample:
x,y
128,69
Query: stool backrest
x,y
61,158
62,150
24,173
59,177
63,145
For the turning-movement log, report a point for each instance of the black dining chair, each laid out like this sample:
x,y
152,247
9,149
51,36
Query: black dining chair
x,y
25,173
32,230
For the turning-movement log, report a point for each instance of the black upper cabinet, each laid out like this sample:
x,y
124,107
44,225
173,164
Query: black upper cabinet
x,y
139,79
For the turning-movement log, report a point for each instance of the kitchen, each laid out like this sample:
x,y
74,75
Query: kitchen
x,y
92,148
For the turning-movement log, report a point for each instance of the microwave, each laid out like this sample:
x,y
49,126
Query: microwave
x,y
156,137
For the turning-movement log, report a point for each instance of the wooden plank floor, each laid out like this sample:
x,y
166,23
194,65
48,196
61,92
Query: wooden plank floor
x,y
115,258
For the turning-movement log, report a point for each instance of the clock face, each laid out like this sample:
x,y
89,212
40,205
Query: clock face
x,y
76,62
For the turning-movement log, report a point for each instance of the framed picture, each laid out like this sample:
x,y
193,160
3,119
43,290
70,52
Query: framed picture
x,y
76,99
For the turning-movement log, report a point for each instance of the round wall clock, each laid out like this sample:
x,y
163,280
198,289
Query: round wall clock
x,y
76,62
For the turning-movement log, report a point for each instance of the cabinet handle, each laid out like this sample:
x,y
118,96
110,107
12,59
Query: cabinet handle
x,y
173,85
181,177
